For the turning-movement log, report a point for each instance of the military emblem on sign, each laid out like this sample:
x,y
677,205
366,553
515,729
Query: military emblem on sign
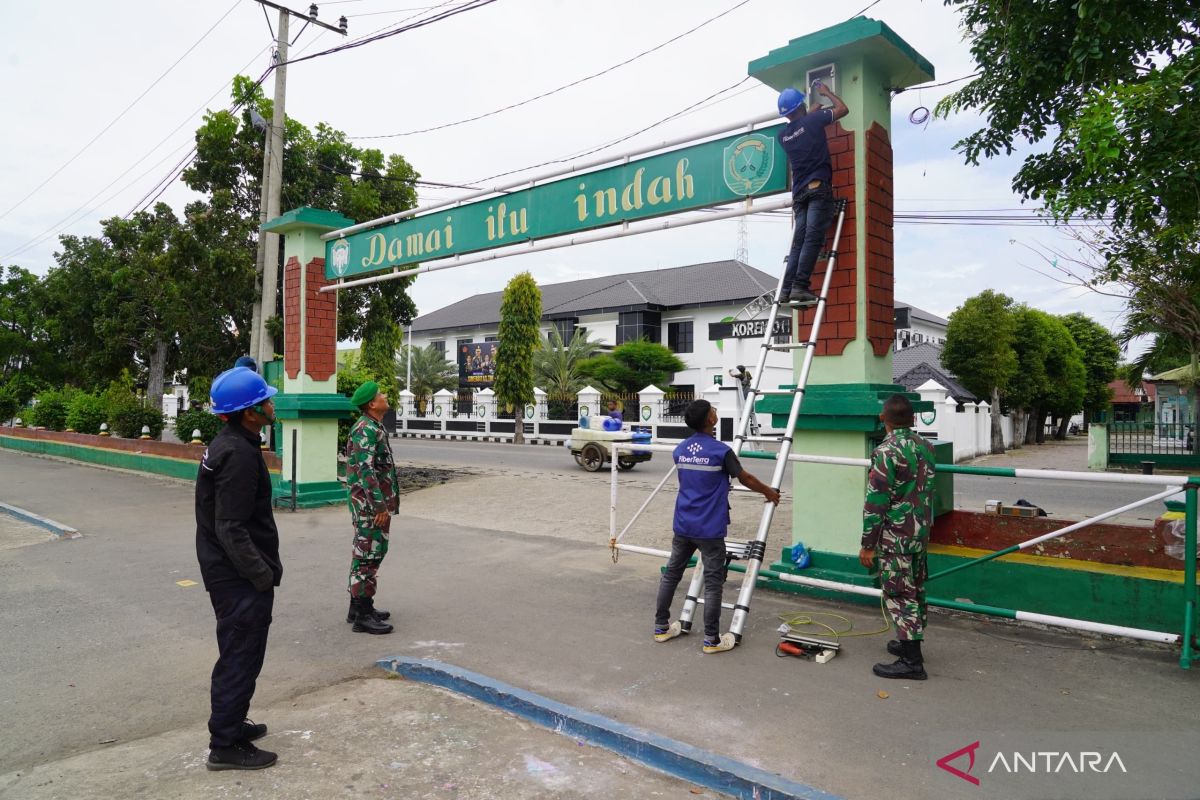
x,y
339,255
749,161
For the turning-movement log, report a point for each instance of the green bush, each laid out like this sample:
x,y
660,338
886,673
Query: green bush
x,y
208,424
349,377
50,410
126,419
85,412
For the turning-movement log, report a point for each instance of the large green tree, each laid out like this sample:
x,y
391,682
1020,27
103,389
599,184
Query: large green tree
x,y
520,337
556,364
1050,377
1101,353
632,366
1110,85
322,169
979,351
24,338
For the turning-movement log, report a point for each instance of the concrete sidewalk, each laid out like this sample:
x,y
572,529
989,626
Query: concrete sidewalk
x,y
371,737
508,576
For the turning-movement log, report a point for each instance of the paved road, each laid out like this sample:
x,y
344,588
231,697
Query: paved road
x,y
100,641
1062,500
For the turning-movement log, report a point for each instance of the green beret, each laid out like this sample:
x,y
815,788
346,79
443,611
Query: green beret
x,y
364,394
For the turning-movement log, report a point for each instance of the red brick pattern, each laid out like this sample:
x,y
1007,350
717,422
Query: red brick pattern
x,y
320,342
153,447
880,265
291,317
841,312
1126,545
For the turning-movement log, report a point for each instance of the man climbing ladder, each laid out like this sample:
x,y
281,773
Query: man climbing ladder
x,y
803,139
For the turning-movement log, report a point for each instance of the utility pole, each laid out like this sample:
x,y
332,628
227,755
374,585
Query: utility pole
x,y
266,267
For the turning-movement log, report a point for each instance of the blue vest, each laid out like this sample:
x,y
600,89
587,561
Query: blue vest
x,y
702,507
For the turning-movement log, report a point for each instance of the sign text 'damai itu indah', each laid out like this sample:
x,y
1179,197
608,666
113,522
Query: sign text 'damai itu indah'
x,y
720,171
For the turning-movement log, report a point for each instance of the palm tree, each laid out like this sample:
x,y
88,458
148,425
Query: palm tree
x,y
556,364
431,372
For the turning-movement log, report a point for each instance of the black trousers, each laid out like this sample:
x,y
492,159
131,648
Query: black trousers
x,y
713,553
243,619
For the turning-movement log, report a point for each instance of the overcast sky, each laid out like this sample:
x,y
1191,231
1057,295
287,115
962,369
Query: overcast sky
x,y
69,68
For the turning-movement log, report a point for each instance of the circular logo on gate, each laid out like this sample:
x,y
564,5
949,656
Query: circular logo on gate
x,y
749,161
646,412
339,257
927,417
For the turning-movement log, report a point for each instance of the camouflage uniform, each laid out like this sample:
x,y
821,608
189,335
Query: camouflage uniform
x,y
371,478
897,517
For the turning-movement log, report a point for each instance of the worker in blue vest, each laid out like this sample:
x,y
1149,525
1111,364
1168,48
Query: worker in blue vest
x,y
705,466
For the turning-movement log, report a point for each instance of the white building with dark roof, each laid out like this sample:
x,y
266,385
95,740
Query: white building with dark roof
x,y
681,307
916,326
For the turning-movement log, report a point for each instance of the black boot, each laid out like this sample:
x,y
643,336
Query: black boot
x,y
369,604
365,620
909,666
242,755
893,647
379,615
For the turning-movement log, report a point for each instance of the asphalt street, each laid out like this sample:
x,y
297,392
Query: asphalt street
x,y
1061,500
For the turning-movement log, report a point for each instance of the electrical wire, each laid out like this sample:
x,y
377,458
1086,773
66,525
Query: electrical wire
x,y
84,210
471,5
865,10
561,88
121,115
589,152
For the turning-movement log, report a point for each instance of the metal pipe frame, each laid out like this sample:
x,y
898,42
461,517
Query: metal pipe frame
x,y
569,169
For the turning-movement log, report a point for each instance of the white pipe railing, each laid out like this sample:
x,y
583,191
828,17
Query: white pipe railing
x,y
568,169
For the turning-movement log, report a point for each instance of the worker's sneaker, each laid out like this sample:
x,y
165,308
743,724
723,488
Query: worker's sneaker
x,y
725,642
665,634
252,731
242,755
801,297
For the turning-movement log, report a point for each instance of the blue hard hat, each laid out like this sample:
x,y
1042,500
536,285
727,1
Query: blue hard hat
x,y
237,389
789,100
247,362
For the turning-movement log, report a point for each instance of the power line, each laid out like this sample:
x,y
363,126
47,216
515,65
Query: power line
x,y
393,11
614,141
865,10
471,5
76,215
118,118
564,87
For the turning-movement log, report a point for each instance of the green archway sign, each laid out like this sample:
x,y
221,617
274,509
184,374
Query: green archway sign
x,y
697,176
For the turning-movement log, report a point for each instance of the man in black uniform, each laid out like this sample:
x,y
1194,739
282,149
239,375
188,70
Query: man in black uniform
x,y
237,545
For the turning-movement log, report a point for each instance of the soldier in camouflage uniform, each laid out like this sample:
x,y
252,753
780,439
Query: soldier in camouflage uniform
x,y
374,497
897,517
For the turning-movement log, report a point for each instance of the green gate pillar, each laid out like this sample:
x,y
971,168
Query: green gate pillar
x,y
309,406
863,61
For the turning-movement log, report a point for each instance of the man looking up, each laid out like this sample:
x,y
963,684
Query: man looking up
x,y
897,517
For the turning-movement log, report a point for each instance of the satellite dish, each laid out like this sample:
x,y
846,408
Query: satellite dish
x,y
258,121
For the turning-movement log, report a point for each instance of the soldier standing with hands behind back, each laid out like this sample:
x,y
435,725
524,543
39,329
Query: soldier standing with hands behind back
x,y
374,497
897,517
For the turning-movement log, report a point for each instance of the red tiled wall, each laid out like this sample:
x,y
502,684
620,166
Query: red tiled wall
x,y
320,344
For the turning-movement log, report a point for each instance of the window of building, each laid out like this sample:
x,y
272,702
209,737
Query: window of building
x,y
679,336
491,338
565,328
439,345
634,325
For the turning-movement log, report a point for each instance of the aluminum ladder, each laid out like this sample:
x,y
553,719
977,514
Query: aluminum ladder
x,y
753,551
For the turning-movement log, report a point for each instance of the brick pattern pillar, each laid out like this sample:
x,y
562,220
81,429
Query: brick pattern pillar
x,y
291,317
841,311
309,321
881,275
320,318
